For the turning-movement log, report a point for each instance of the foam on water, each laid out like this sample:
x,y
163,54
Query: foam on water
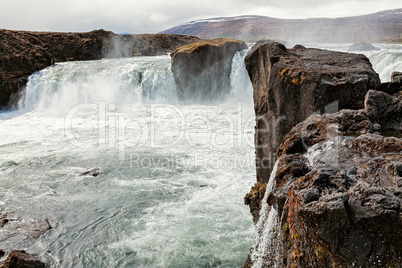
x,y
173,177
123,81
386,60
265,250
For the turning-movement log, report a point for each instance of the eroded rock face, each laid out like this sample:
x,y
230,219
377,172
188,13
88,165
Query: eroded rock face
x,y
144,44
23,53
339,191
291,84
91,173
384,109
22,259
202,70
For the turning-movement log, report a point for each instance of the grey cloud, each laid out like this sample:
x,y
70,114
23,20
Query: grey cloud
x,y
156,15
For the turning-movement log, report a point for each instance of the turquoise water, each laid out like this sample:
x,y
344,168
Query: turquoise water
x,y
173,176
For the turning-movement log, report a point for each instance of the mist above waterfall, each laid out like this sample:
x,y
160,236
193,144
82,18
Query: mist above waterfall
x,y
132,81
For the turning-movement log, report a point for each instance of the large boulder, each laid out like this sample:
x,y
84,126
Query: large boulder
x,y
291,84
395,86
22,259
396,77
384,109
202,70
337,192
15,228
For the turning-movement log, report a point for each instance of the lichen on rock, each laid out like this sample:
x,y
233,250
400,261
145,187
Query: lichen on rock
x,y
202,70
338,182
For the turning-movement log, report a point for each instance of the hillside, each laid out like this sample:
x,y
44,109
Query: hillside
x,y
384,26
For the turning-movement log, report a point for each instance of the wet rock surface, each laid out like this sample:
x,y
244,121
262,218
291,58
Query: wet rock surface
x,y
91,173
396,77
384,109
144,44
338,186
16,229
22,259
18,232
343,210
23,53
291,84
202,70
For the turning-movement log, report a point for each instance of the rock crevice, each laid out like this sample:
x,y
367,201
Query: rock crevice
x,y
339,175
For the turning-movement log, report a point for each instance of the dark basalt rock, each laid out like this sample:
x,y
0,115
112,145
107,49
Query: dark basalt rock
x,y
396,77
384,109
340,194
91,173
391,88
291,84
394,87
338,182
22,259
362,47
202,70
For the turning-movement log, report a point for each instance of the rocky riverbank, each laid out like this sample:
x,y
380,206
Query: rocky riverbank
x,y
23,53
336,190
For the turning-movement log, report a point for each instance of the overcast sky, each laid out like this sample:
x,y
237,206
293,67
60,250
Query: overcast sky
x,y
151,16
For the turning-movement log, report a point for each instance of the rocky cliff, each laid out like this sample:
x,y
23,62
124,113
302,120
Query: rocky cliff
x,y
23,53
202,70
291,84
334,198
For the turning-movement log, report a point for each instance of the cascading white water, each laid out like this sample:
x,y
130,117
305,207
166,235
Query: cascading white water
x,y
239,79
118,81
173,175
386,60
264,252
132,81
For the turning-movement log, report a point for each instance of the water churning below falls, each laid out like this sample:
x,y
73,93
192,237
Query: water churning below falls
x,y
172,175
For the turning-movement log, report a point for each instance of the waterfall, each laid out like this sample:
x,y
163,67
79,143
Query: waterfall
x,y
130,81
239,79
385,62
265,249
115,81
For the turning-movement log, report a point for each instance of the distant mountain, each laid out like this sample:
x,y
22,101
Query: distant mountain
x,y
384,26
